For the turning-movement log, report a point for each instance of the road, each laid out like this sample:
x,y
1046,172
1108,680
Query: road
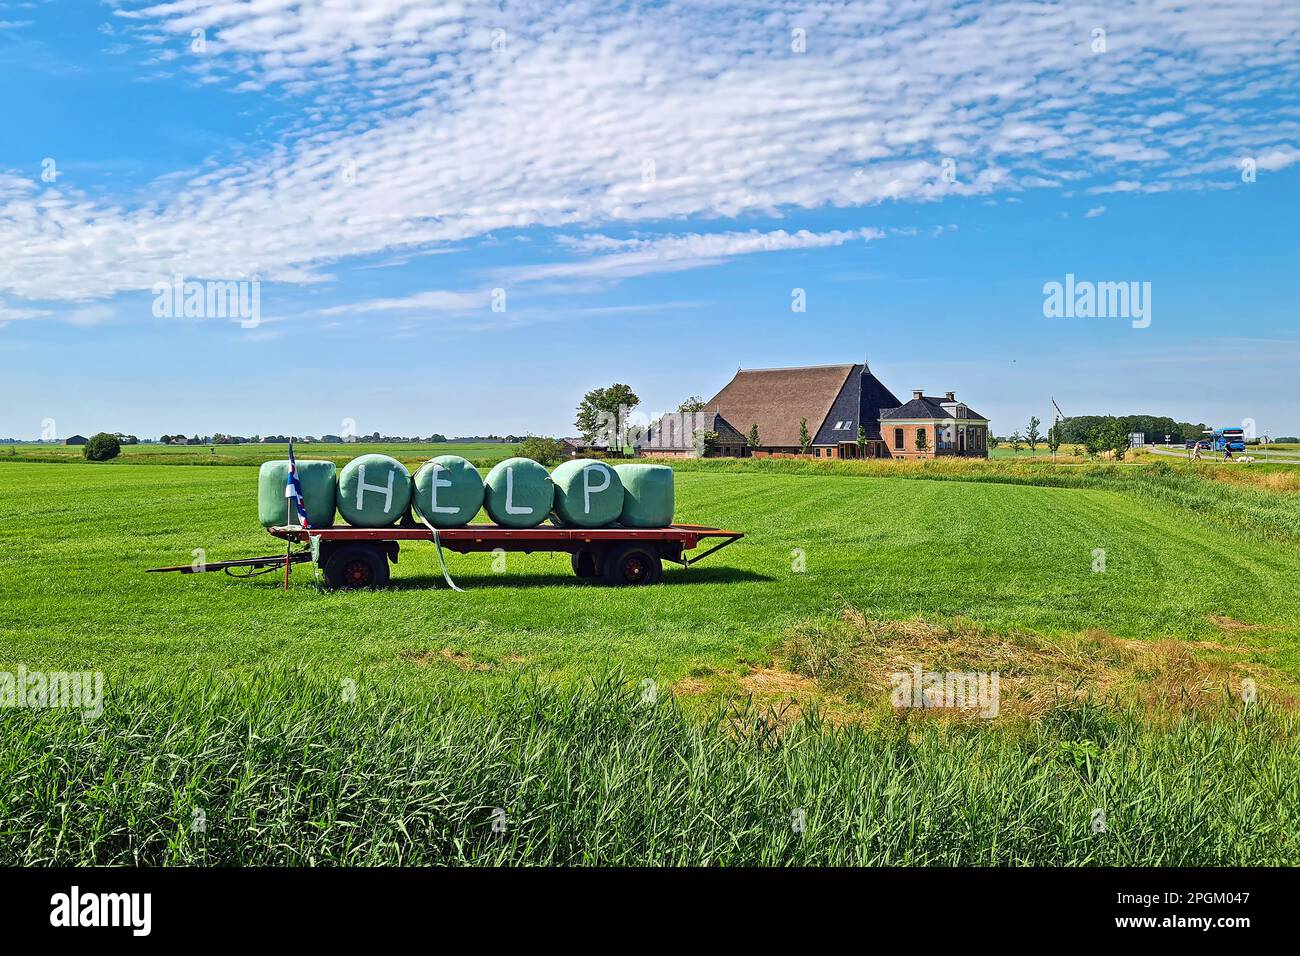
x,y
1218,457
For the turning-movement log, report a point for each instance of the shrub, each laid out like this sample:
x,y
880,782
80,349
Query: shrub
x,y
544,451
101,447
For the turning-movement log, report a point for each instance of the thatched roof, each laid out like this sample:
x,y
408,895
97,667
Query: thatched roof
x,y
676,430
775,399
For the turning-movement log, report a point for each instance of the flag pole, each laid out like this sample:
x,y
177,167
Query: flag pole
x,y
288,520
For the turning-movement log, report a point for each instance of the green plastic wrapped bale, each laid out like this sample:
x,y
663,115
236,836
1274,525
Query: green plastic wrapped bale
x,y
318,479
518,493
374,491
647,495
588,493
448,491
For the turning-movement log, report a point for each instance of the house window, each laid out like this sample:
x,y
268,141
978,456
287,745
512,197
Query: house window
x,y
898,439
920,437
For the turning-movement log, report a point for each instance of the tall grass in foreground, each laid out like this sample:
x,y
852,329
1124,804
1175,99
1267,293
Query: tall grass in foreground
x,y
285,770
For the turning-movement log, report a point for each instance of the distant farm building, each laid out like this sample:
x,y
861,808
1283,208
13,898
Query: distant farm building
x,y
76,440
692,435
849,413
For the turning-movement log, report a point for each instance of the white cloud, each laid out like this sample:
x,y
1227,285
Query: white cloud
x,y
1163,119
1276,159
1094,212
9,313
424,127
620,259
88,315
434,300
674,253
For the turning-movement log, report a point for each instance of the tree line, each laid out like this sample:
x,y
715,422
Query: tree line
x,y
1076,430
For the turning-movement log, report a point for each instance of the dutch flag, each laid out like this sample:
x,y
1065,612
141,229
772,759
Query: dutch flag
x,y
293,489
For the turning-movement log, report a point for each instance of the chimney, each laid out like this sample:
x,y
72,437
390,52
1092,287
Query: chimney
x,y
950,396
916,393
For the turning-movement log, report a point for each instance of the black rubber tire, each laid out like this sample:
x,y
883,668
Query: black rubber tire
x,y
355,566
584,564
632,565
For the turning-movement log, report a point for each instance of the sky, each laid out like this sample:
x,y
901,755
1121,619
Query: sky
x,y
459,217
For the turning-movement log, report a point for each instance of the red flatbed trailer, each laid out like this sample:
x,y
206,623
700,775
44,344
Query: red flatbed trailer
x,y
359,557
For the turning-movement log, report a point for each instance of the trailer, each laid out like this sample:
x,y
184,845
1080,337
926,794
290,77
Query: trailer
x,y
360,557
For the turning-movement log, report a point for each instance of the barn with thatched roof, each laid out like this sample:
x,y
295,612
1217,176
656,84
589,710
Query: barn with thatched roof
x,y
849,413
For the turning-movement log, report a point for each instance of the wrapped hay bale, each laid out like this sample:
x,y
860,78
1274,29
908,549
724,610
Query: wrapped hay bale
x,y
448,491
647,495
318,480
374,491
588,493
518,493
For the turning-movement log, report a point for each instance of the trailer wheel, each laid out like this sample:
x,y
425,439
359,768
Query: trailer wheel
x,y
584,564
357,566
632,564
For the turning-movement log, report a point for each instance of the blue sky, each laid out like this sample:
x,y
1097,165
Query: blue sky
x,y
646,189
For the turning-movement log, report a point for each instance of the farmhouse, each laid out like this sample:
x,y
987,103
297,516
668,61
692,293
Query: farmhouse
x,y
849,413
75,440
925,427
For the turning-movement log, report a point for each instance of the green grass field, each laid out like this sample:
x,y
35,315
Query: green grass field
x,y
1042,451
481,453
994,559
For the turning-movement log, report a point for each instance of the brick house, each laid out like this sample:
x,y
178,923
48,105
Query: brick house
x,y
928,427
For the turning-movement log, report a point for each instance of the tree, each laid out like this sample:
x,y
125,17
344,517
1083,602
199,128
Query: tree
x,y
1115,437
602,412
101,447
753,436
1075,430
862,441
1017,441
1032,435
692,404
1053,439
707,442
922,441
805,440
1094,441
994,441
544,451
